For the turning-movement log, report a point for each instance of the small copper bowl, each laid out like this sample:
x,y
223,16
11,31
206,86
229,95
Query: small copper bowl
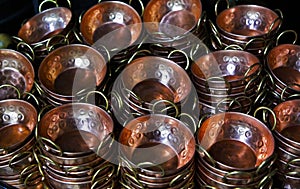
x,y
45,24
283,61
248,21
16,71
236,141
218,68
76,128
18,121
169,141
111,16
71,69
166,19
287,125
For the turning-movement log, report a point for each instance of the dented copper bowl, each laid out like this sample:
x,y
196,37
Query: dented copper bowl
x,y
18,121
287,125
170,81
76,128
225,66
17,72
224,135
45,24
167,19
248,21
111,17
157,143
283,61
71,69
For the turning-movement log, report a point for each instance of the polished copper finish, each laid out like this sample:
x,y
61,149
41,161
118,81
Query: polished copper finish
x,y
45,25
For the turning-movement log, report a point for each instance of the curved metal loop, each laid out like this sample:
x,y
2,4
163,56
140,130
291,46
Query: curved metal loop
x,y
293,96
63,41
214,29
47,1
248,85
78,167
101,169
76,35
231,102
288,87
252,41
153,165
233,47
263,81
136,53
27,179
48,160
203,18
101,94
217,6
267,178
40,139
260,97
202,152
122,160
141,4
182,176
116,95
237,100
286,167
186,57
279,19
32,166
168,107
19,155
134,179
264,112
24,45
111,135
11,86
195,49
285,32
32,96
191,118
133,95
124,185
251,68
202,119
232,173
94,185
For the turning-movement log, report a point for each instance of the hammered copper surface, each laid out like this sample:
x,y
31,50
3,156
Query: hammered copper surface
x,y
111,11
45,24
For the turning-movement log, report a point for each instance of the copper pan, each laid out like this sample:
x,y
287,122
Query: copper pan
x,y
45,24
111,16
168,139
160,15
75,128
70,69
15,70
245,22
225,66
236,133
283,59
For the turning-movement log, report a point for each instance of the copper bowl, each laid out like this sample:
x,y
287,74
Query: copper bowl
x,y
76,128
236,141
248,21
218,68
159,139
18,121
166,19
170,81
287,125
71,69
15,71
283,61
46,24
111,16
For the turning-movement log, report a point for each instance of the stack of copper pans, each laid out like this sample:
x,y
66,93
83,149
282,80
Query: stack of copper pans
x,y
150,85
76,147
17,162
174,26
285,123
69,72
43,32
157,151
227,80
113,28
16,74
249,27
283,66
235,150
